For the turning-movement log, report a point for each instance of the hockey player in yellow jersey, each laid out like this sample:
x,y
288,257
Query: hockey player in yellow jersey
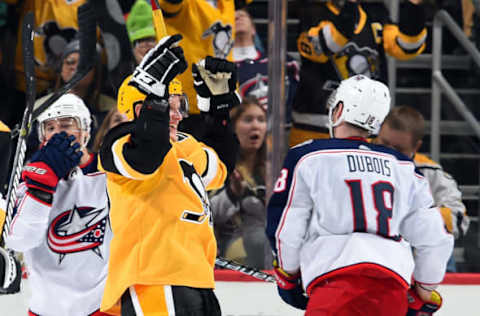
x,y
163,251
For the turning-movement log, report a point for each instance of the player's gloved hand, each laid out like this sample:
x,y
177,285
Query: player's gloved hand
x,y
215,80
290,288
10,273
419,307
159,66
51,163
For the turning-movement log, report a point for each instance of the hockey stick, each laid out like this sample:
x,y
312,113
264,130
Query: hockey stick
x,y
158,22
11,267
88,37
29,68
232,265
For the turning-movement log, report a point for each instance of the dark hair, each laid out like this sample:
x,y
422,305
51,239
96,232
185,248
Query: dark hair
x,y
406,119
103,129
261,155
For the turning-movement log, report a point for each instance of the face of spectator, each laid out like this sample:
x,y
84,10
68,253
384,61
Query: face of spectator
x,y
142,46
243,23
116,119
399,140
251,127
69,66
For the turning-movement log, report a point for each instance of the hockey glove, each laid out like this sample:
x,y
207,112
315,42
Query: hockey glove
x,y
51,163
151,137
419,307
215,81
10,273
290,288
159,66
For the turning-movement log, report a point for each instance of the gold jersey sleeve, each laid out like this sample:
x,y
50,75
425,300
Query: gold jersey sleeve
x,y
162,223
206,30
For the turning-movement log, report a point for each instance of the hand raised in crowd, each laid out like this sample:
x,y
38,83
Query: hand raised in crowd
x,y
237,185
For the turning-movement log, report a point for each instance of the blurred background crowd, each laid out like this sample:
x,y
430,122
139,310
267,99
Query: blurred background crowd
x,y
327,41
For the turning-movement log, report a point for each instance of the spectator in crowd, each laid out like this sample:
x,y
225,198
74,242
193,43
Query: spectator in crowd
x,y
113,118
339,39
252,65
244,43
207,28
239,209
61,218
140,29
403,130
89,88
56,24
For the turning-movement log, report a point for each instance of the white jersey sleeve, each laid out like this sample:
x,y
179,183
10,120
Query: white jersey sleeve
x,y
446,194
293,226
424,229
29,223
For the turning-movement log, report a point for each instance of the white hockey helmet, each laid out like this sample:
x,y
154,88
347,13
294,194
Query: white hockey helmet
x,y
366,103
68,105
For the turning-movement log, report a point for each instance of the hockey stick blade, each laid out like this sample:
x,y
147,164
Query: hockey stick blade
x,y
29,68
232,265
88,38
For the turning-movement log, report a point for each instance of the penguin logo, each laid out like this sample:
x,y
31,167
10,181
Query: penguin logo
x,y
222,38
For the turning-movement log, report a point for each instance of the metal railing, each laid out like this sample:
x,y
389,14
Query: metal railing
x,y
440,84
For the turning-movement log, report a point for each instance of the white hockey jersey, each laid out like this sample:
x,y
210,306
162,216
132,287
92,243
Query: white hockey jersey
x,y
342,204
65,246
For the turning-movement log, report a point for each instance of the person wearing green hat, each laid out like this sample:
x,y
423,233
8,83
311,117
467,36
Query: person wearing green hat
x,y
140,29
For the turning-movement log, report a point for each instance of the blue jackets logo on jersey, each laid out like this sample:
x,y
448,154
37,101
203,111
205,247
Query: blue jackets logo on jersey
x,y
78,229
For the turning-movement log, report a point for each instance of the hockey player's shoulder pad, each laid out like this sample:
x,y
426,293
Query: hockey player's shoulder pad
x,y
106,153
422,161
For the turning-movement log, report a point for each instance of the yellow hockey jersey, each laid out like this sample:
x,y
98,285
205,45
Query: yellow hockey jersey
x,y
161,222
331,51
206,30
56,24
